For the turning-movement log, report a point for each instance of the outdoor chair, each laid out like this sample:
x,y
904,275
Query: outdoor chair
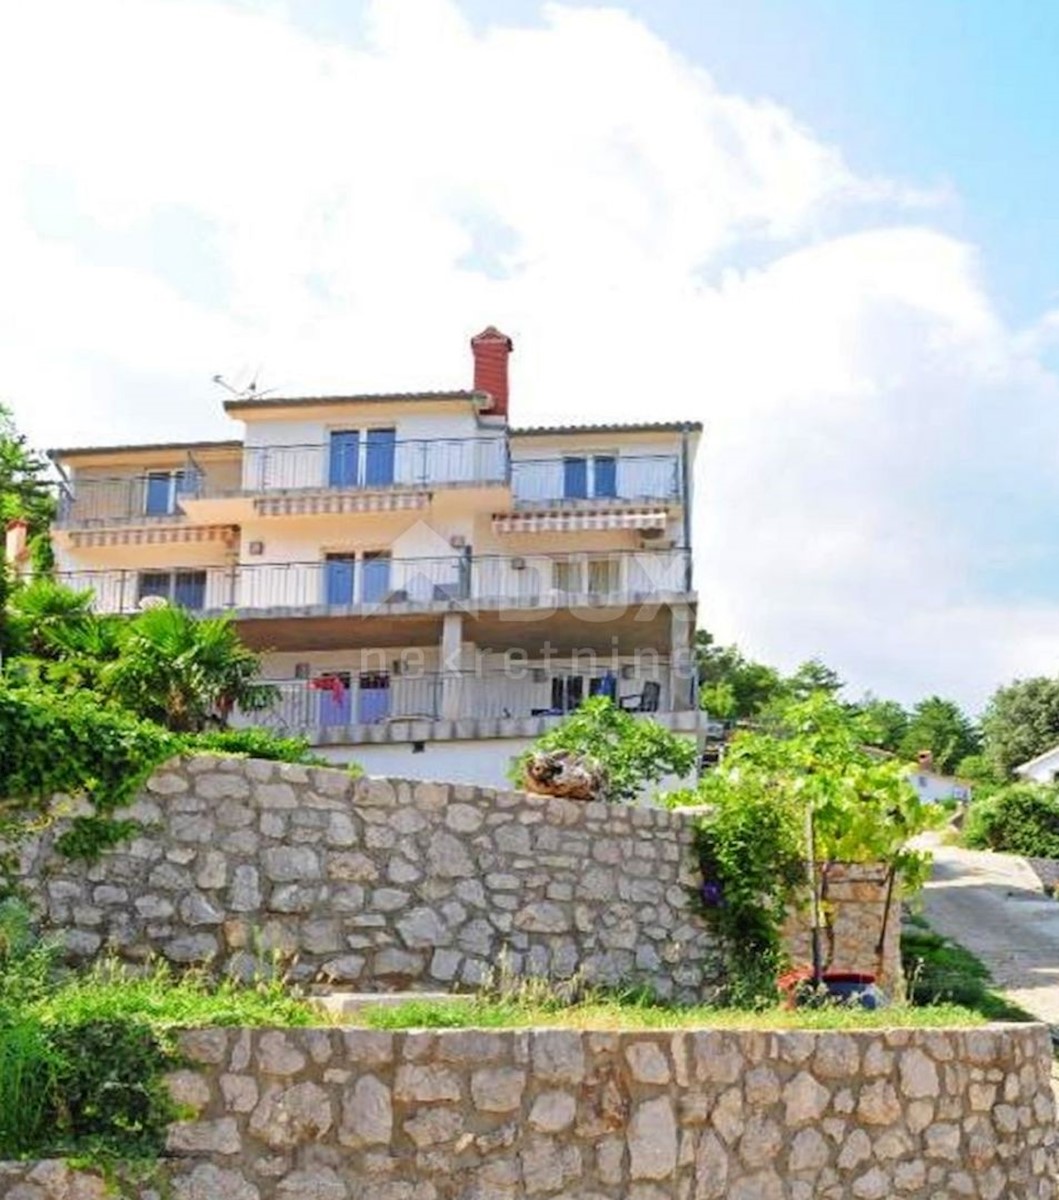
x,y
645,701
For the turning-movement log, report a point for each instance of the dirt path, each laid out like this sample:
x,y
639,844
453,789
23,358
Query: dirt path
x,y
994,906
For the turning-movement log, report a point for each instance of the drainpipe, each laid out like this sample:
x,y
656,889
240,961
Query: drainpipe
x,y
686,508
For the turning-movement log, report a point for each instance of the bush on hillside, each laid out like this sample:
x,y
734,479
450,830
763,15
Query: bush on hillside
x,y
1020,819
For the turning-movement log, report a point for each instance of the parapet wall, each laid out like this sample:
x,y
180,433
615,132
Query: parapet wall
x,y
385,884
696,1115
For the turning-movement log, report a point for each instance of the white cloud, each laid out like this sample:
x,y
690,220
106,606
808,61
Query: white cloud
x,y
854,384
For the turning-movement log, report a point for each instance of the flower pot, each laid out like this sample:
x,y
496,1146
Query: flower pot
x,y
836,987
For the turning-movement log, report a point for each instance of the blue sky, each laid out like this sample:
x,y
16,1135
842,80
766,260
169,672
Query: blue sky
x,y
824,228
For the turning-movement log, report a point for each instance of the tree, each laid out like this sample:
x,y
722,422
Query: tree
x,y
812,676
752,837
24,490
184,671
633,752
941,727
1020,722
886,720
24,495
730,685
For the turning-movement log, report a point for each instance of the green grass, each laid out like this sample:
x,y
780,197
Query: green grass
x,y
616,1014
165,1000
939,971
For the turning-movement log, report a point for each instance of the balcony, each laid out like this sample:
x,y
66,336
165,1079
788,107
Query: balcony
x,y
349,462
600,479
368,584
351,706
344,464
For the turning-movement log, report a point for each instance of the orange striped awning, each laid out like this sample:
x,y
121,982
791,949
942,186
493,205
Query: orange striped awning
x,y
339,503
577,522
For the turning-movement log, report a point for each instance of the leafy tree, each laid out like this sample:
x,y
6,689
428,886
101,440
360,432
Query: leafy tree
x,y
633,752
24,490
941,727
1020,722
732,686
758,798
183,671
812,676
26,495
886,720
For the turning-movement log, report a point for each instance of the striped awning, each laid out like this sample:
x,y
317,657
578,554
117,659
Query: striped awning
x,y
339,503
161,535
576,522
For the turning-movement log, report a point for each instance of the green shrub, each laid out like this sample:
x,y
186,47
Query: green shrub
x,y
254,743
1020,819
632,751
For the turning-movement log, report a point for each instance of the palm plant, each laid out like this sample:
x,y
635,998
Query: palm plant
x,y
184,672
44,613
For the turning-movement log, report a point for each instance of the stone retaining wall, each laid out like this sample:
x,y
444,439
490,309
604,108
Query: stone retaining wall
x,y
331,1114
384,884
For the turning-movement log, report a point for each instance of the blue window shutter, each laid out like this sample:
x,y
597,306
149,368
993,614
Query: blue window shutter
x,y
156,502
379,464
345,458
606,477
575,478
376,578
340,576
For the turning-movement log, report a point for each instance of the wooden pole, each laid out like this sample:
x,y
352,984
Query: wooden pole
x,y
814,899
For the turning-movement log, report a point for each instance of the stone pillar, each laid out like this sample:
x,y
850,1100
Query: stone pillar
x,y
681,658
450,666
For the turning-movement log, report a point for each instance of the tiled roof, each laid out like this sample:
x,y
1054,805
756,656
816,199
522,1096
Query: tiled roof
x,y
77,451
364,398
636,427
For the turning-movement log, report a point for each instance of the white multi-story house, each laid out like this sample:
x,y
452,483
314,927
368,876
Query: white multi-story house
x,y
429,586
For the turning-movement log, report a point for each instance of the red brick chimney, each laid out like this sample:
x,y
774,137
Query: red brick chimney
x,y
491,349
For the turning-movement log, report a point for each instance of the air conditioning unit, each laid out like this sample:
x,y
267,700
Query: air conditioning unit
x,y
518,564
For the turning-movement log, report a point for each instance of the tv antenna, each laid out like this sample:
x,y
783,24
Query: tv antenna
x,y
249,391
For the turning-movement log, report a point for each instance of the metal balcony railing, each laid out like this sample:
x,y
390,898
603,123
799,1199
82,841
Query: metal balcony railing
x,y
159,495
600,477
340,698
377,582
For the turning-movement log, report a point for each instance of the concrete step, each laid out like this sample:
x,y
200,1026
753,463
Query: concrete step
x,y
347,1004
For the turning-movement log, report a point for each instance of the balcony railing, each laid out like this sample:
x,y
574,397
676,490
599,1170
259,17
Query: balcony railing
x,y
342,698
563,478
371,583
373,466
369,465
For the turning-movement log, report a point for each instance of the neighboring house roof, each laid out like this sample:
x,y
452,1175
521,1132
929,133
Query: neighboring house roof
x,y
636,427
1051,752
265,403
84,451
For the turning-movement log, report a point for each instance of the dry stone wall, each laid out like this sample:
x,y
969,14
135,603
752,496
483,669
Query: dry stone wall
x,y
329,1114
384,884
